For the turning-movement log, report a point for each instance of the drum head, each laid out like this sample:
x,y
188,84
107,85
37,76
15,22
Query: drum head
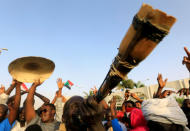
x,y
30,69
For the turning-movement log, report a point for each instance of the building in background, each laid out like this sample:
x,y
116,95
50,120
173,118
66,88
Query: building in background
x,y
148,91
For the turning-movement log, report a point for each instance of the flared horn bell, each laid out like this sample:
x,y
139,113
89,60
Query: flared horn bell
x,y
30,69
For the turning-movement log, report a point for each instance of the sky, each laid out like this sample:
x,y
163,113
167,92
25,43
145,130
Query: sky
x,y
82,36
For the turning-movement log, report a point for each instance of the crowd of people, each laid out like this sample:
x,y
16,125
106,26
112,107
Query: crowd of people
x,y
162,113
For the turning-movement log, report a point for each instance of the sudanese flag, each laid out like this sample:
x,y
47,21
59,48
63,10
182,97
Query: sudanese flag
x,y
68,84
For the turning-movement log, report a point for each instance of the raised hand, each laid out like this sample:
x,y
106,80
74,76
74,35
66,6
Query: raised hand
x,y
2,89
37,83
18,83
161,82
133,95
161,85
14,82
184,91
113,107
60,84
186,59
136,97
95,90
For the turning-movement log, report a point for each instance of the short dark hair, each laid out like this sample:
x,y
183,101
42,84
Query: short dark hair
x,y
34,127
5,108
129,101
138,102
52,106
71,114
127,91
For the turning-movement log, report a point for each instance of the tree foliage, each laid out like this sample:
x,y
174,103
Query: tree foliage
x,y
180,101
126,84
139,84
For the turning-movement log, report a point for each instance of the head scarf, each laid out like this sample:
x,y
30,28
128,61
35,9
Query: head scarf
x,y
138,122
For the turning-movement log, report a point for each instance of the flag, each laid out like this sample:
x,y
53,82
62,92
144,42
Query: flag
x,y
24,87
68,84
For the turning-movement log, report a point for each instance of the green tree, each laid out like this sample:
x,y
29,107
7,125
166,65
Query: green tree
x,y
126,84
139,84
180,101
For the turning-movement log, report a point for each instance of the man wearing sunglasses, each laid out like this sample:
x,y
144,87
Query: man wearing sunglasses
x,y
45,119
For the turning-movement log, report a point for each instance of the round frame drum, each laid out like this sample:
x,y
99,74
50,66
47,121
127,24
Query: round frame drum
x,y
30,69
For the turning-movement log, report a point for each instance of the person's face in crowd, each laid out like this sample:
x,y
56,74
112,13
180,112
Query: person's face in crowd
x,y
188,103
10,103
129,105
33,127
127,94
2,113
138,105
47,114
108,115
22,116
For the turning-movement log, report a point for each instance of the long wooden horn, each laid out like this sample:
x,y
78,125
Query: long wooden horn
x,y
148,28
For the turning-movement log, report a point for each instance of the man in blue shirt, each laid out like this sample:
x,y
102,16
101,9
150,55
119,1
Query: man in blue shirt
x,y
7,123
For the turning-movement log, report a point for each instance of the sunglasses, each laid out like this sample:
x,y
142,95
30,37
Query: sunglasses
x,y
44,110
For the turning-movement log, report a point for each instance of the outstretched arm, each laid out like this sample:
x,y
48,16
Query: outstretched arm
x,y
59,100
136,97
55,98
43,98
113,107
60,85
161,85
13,97
2,89
10,89
58,93
30,111
14,108
186,59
